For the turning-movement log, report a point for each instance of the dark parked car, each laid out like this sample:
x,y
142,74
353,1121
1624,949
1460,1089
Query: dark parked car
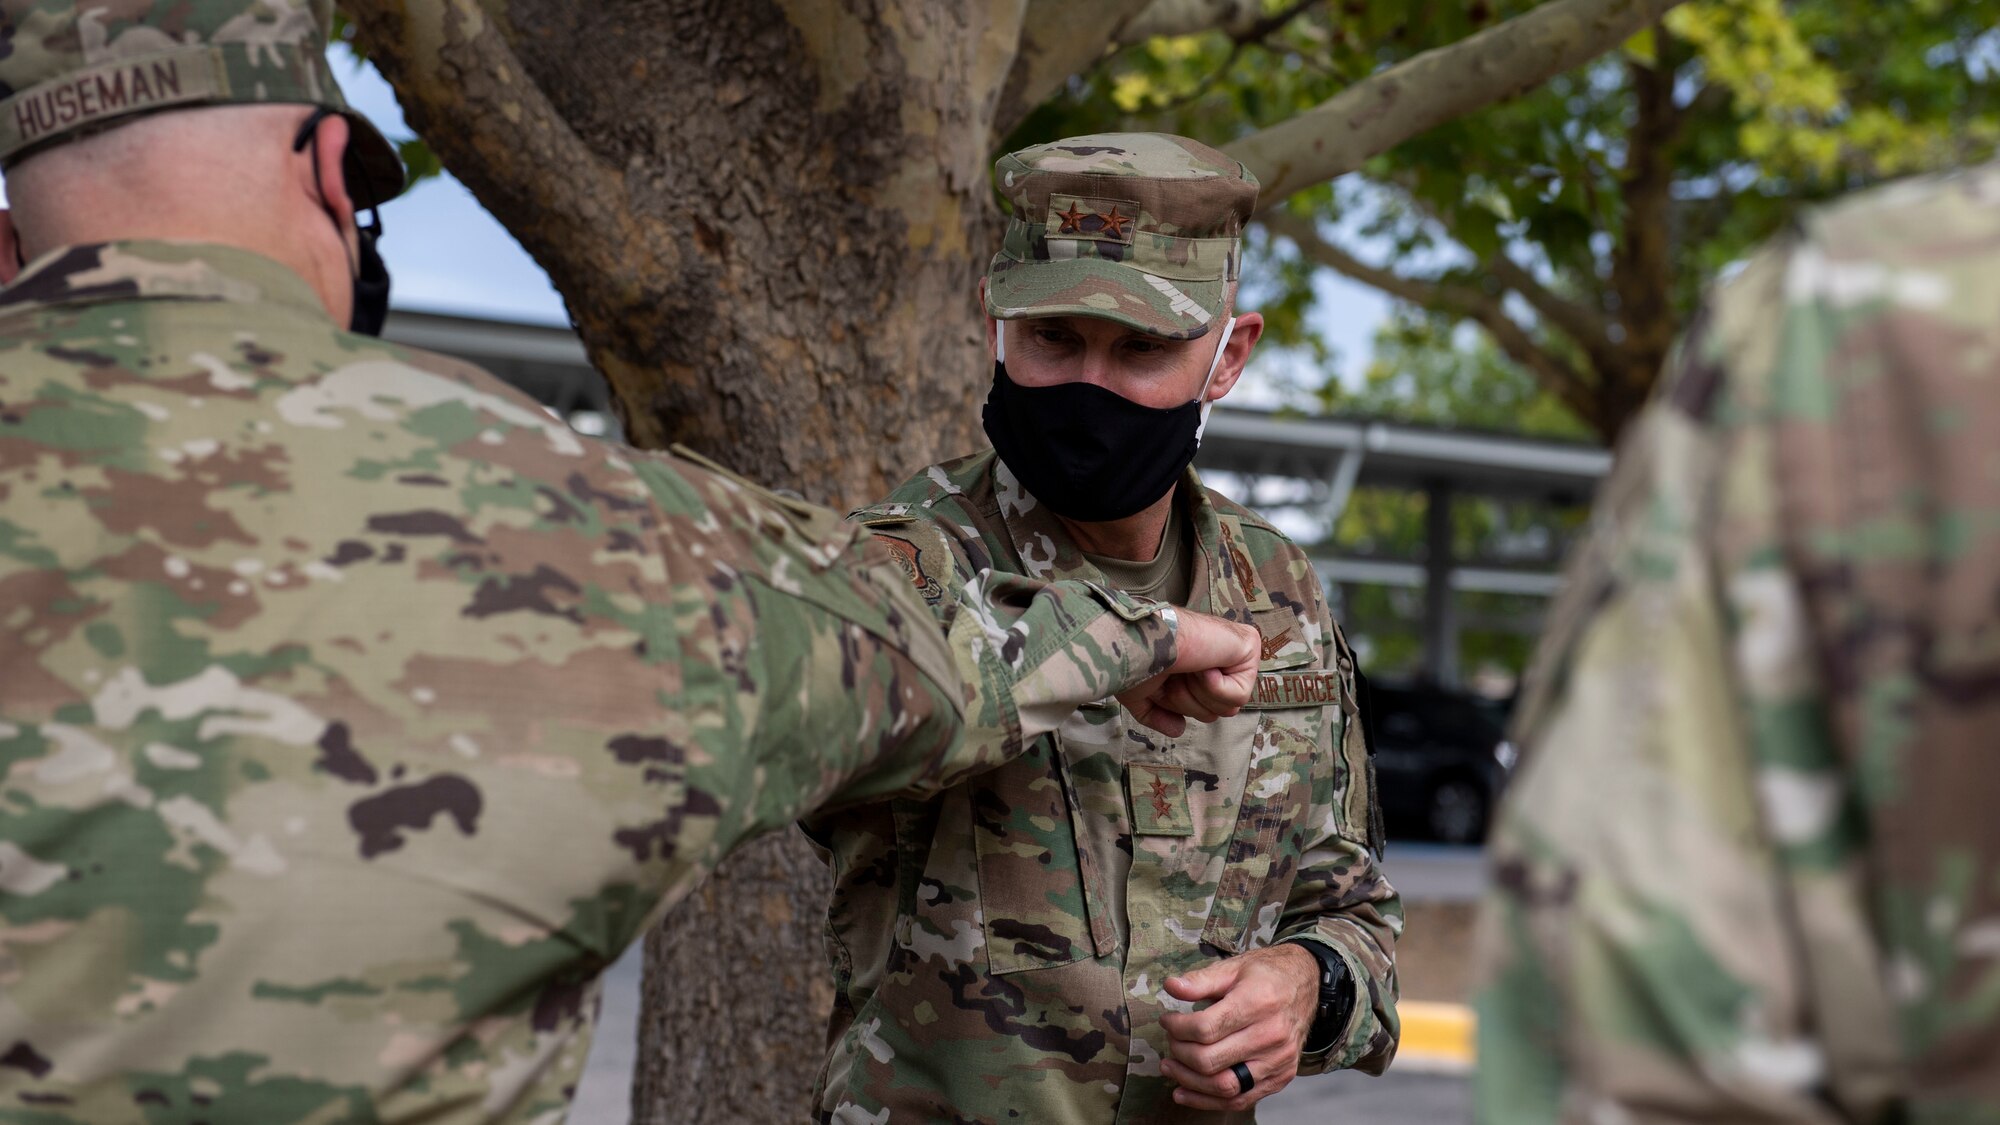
x,y
1441,757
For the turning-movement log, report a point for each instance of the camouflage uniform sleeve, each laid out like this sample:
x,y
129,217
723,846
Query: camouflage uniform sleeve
x,y
848,692
1029,652
1340,897
1673,821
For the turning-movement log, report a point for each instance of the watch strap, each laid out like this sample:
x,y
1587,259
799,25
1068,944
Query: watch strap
x,y
1336,998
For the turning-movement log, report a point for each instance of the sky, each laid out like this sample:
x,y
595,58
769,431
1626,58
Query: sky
x,y
447,254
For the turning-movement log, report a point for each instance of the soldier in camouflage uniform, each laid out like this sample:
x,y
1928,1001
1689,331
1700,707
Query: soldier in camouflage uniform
x,y
354,712
1034,944
1750,868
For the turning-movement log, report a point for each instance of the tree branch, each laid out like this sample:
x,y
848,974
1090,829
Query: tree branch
x,y
1189,17
464,91
1579,322
1241,20
1557,374
1574,320
1380,112
1054,45
1641,265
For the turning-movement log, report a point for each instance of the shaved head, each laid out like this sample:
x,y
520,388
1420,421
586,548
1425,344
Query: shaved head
x,y
225,174
182,165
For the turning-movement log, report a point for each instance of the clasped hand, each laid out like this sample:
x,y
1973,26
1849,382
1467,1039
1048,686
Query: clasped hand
x,y
1214,672
1264,1003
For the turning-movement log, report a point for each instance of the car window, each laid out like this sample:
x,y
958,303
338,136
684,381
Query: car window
x,y
1403,726
1407,717
1395,720
1460,722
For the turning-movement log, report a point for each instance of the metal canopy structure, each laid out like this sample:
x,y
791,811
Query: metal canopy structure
x,y
544,360
1307,466
1347,452
1322,460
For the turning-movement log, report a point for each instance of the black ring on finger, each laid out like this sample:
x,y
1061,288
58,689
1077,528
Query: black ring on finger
x,y
1243,1079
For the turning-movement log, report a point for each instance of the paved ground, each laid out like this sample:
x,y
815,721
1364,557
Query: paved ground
x,y
1396,1098
1425,872
604,1097
1422,872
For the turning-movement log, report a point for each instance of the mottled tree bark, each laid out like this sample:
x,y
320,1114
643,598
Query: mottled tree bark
x,y
737,994
767,218
762,214
1642,265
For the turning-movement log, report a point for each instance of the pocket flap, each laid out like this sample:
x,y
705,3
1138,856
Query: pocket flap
x,y
1031,886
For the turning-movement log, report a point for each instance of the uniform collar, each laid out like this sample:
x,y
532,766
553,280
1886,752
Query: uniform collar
x,y
1047,552
142,270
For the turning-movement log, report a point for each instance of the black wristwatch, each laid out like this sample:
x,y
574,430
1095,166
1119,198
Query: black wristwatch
x,y
1336,998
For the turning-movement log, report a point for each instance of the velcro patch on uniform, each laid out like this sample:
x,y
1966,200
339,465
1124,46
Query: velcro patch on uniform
x,y
1311,687
1107,220
917,546
910,557
108,90
1159,800
1241,567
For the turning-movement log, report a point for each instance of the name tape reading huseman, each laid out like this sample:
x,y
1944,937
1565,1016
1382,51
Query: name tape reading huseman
x,y
111,90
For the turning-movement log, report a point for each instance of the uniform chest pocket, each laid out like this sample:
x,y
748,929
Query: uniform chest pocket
x,y
1031,887
1261,857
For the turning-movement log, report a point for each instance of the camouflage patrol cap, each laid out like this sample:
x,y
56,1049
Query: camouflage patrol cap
x,y
72,67
1140,228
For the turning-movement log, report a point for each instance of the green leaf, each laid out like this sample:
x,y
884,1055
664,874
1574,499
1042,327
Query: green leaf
x,y
419,159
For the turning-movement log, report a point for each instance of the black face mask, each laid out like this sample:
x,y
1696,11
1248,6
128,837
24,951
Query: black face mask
x,y
370,272
1090,454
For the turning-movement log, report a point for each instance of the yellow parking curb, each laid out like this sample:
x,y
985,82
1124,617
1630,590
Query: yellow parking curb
x,y
1436,1036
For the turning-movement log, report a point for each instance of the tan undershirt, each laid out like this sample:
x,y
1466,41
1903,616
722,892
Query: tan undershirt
x,y
1168,576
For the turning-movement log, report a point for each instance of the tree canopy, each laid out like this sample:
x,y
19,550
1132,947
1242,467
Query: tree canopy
x,y
1577,223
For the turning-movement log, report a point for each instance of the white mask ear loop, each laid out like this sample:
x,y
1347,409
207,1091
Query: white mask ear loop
x,y
1000,342
1228,327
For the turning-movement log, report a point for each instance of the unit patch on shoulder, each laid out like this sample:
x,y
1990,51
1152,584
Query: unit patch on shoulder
x,y
918,547
910,557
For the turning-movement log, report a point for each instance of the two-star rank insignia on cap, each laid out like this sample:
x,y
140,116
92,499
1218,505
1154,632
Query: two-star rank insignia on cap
x,y
1106,220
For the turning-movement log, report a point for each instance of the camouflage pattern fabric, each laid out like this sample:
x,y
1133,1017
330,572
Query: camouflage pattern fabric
x,y
354,712
1000,951
72,67
1139,228
1750,868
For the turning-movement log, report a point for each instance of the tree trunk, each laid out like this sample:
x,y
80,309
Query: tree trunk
x,y
737,993
768,221
767,218
1642,265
